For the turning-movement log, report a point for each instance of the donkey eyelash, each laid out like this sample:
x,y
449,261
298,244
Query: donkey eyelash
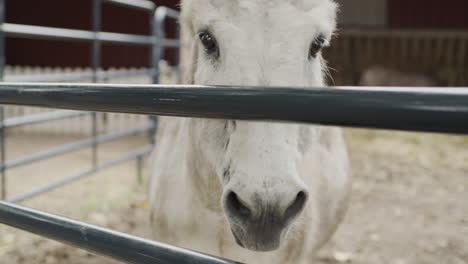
x,y
317,45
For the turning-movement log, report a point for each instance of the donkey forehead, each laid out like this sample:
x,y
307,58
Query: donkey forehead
x,y
258,5
313,16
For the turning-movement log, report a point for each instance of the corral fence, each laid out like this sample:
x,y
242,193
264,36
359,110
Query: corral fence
x,y
427,109
81,125
95,125
77,126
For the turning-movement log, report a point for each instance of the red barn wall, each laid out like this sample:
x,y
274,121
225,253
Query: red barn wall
x,y
78,15
448,14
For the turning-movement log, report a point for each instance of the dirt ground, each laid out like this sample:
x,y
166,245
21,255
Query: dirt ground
x,y
409,202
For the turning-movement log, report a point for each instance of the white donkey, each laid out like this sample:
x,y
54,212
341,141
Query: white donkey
x,y
256,192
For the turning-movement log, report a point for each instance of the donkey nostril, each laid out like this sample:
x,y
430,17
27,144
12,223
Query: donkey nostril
x,y
236,206
296,207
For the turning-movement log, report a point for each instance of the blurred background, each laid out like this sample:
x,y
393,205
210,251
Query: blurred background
x,y
379,42
398,42
410,190
79,15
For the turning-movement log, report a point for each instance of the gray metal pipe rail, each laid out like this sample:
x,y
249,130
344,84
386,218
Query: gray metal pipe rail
x,y
414,109
77,76
163,12
96,44
3,191
41,32
39,118
160,16
60,182
137,4
96,37
2,39
3,180
72,147
116,245
91,238
29,31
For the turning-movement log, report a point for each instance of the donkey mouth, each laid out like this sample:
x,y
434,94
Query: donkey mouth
x,y
236,237
256,242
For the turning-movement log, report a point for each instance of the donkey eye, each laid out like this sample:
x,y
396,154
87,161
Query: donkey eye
x,y
316,47
209,43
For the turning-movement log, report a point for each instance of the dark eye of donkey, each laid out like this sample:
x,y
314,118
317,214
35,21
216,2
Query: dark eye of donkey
x,y
316,47
209,43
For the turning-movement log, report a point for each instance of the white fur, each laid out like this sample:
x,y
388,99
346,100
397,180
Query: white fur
x,y
262,42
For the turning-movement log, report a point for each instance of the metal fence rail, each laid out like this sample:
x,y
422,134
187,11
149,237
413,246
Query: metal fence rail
x,y
116,245
2,155
42,32
425,109
160,16
72,147
136,154
39,118
428,109
138,4
155,40
77,75
119,246
96,36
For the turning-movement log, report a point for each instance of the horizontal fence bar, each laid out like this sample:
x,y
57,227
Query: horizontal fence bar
x,y
124,38
404,33
119,246
39,118
41,32
414,109
138,4
58,183
171,43
75,76
16,30
73,146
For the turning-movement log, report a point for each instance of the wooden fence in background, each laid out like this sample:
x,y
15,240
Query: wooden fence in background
x,y
441,55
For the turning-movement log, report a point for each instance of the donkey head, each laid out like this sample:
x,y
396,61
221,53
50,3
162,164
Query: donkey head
x,y
256,43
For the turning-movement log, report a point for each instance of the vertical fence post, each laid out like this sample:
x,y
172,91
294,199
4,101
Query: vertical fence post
x,y
177,59
2,40
94,135
155,58
96,65
139,164
3,192
96,51
158,35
